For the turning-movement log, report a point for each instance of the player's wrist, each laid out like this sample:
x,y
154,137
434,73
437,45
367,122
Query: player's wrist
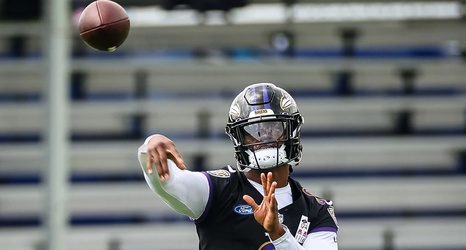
x,y
277,232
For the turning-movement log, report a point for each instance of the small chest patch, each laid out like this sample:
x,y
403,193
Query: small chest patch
x,y
301,233
243,210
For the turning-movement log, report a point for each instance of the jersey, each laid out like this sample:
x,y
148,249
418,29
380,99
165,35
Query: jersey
x,y
228,222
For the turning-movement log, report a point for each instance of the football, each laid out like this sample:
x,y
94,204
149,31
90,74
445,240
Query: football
x,y
104,25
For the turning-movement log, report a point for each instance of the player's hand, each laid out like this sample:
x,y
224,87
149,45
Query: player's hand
x,y
266,213
159,149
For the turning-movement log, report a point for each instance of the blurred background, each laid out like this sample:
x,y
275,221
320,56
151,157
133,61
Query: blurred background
x,y
381,85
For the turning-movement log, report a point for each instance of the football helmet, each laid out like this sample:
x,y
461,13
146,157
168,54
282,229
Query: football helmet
x,y
264,125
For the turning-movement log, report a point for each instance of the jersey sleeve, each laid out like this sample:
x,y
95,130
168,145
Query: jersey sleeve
x,y
326,218
323,233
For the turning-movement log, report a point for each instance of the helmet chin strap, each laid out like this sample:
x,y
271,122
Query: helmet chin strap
x,y
267,158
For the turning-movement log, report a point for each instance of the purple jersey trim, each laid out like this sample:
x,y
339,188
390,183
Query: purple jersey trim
x,y
324,229
209,202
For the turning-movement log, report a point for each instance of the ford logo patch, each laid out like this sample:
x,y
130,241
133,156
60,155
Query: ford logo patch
x,y
243,210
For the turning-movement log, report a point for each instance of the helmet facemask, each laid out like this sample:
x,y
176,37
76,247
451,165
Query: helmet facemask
x,y
266,142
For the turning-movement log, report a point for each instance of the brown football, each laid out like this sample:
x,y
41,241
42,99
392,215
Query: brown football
x,y
104,25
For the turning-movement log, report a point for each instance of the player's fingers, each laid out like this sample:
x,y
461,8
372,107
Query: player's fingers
x,y
149,162
273,208
267,199
175,156
272,193
154,155
272,188
264,184
269,182
164,173
248,199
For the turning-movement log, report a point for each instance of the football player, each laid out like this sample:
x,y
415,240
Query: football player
x,y
256,204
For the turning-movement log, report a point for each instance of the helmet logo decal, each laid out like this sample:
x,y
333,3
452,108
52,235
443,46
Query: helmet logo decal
x,y
235,111
286,103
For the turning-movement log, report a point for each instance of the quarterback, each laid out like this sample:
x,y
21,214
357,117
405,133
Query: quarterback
x,y
255,204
